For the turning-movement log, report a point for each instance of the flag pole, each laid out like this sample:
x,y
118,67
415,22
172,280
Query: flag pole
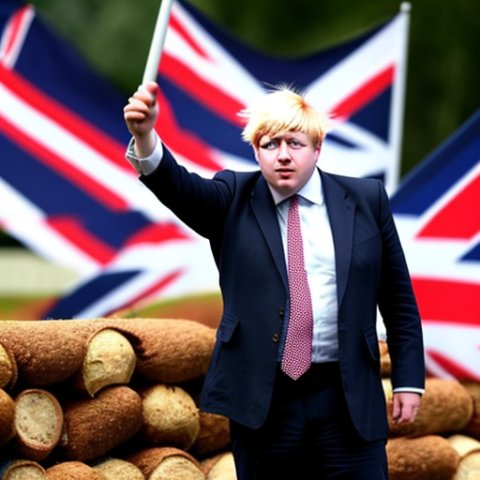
x,y
156,46
398,103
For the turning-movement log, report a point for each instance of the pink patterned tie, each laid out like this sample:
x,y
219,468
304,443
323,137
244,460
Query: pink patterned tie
x,y
297,355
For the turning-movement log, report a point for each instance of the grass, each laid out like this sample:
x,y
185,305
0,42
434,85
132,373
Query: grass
x,y
204,308
23,307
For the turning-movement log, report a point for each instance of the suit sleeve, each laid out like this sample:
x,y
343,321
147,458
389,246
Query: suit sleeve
x,y
398,306
200,203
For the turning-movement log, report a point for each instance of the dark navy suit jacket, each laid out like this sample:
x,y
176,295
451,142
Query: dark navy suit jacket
x,y
236,212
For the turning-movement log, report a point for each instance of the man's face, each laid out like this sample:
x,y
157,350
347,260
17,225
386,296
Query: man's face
x,y
287,160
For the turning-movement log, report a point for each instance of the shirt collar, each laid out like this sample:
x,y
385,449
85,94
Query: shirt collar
x,y
311,191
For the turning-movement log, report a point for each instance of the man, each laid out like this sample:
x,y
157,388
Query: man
x,y
304,259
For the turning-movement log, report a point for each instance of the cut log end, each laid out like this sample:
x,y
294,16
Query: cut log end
x,y
110,360
22,470
118,469
38,423
177,468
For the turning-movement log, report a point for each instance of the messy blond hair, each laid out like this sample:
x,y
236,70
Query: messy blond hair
x,y
282,109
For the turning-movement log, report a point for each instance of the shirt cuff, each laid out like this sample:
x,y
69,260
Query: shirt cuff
x,y
420,391
145,165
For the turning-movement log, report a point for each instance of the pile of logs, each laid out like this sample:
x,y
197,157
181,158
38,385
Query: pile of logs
x,y
117,399
107,399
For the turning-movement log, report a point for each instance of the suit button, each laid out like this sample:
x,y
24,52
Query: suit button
x,y
281,312
276,337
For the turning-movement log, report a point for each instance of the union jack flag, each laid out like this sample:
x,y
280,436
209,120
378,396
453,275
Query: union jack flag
x,y
437,212
68,193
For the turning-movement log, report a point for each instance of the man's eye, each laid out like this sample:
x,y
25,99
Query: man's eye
x,y
294,143
271,145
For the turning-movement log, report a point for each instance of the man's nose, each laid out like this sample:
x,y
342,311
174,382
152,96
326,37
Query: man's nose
x,y
284,151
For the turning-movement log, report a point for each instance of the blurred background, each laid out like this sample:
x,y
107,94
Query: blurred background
x,y
442,88
443,80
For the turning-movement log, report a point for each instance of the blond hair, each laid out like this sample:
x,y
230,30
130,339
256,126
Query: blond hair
x,y
283,109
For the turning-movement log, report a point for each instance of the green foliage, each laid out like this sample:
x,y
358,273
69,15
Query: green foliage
x,y
7,241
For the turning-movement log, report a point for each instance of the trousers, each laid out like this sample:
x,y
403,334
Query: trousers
x,y
308,434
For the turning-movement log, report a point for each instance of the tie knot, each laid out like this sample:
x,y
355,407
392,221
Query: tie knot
x,y
294,203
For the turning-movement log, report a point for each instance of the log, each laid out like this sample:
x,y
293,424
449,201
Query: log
x,y
170,416
214,434
118,469
59,348
94,426
385,361
469,450
7,417
463,444
168,350
73,471
220,467
473,426
38,423
469,468
422,458
8,368
167,463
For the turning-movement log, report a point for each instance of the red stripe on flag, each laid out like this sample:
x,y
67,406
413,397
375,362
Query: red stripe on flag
x,y
95,138
175,24
76,176
366,93
208,95
459,218
81,238
154,289
183,142
14,28
157,233
452,367
448,301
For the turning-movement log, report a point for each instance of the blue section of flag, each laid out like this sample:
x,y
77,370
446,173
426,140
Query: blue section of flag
x,y
207,126
440,170
7,7
375,116
57,69
474,254
56,195
89,293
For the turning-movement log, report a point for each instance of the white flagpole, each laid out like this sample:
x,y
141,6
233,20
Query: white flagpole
x,y
398,104
158,40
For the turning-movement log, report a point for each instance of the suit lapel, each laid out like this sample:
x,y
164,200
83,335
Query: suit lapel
x,y
265,212
341,213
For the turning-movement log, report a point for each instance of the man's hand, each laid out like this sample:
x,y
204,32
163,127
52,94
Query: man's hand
x,y
405,406
140,115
